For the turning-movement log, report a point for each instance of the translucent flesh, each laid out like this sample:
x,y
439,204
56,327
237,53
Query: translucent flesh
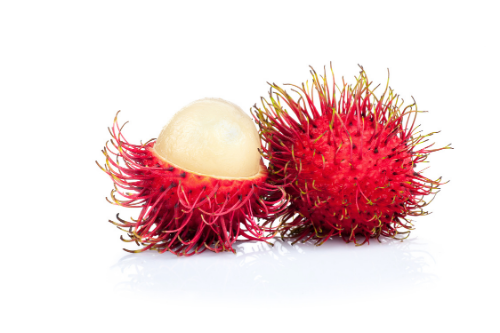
x,y
211,137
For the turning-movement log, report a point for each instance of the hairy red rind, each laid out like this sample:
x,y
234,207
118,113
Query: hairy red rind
x,y
348,163
184,212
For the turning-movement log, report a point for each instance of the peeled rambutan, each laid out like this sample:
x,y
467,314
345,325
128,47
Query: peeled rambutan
x,y
348,162
199,186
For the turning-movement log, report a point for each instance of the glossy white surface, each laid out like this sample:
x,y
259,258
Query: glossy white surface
x,y
67,67
333,271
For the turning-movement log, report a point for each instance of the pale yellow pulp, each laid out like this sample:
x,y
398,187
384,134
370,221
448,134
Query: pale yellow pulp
x,y
211,137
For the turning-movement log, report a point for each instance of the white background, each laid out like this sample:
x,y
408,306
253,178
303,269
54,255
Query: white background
x,y
66,68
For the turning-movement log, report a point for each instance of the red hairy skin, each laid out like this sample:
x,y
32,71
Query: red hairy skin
x,y
184,212
348,163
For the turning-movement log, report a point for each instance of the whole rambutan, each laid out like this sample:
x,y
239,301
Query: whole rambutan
x,y
199,186
348,162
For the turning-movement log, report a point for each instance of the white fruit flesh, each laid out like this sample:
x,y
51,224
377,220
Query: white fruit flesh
x,y
211,137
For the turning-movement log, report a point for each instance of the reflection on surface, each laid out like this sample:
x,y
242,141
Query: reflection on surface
x,y
283,271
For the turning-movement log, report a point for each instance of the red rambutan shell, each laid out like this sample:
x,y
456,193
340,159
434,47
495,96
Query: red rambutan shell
x,y
185,212
348,164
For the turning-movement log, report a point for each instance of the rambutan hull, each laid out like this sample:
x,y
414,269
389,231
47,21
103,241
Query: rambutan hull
x,y
348,164
185,212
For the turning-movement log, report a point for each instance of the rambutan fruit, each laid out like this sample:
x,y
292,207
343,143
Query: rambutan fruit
x,y
348,162
199,186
